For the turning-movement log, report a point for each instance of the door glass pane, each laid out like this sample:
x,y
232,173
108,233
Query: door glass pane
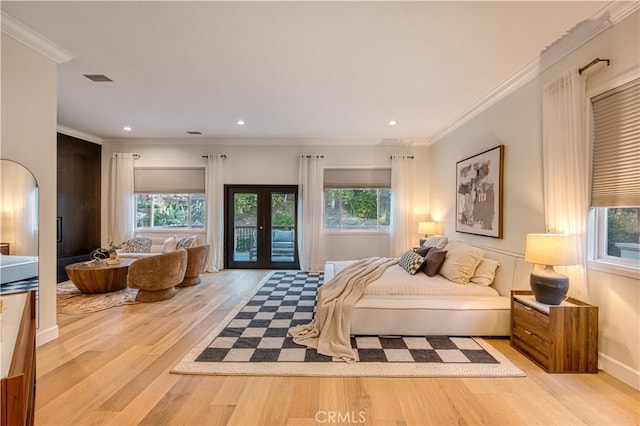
x,y
245,226
283,233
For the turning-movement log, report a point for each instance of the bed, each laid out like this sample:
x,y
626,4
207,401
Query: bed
x,y
18,272
402,304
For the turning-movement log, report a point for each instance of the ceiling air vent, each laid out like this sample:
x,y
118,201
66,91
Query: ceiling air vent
x,y
97,77
194,132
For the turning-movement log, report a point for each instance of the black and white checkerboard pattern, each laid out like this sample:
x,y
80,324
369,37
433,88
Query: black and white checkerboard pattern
x,y
258,333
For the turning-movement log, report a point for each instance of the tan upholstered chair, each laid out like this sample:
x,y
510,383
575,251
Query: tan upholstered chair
x,y
157,276
196,261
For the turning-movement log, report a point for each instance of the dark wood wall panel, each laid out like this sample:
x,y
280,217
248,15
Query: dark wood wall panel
x,y
79,176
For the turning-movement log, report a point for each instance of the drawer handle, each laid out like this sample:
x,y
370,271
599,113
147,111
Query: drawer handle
x,y
527,308
528,332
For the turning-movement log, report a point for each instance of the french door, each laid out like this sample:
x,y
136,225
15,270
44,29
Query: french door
x,y
260,226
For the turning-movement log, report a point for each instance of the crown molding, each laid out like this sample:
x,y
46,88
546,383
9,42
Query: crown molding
x,y
79,134
19,31
268,141
613,13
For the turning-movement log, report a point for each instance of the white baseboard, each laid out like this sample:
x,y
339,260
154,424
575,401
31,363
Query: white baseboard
x,y
620,371
45,336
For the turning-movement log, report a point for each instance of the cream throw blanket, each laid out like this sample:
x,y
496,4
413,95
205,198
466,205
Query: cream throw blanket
x,y
329,331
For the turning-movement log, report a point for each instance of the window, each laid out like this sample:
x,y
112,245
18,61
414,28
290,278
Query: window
x,y
615,181
357,209
170,211
357,199
170,198
618,235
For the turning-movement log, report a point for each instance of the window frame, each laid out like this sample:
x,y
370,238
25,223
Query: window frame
x,y
597,259
189,227
343,231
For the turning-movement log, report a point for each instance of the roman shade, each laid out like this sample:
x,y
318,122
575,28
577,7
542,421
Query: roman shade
x,y
615,178
357,178
169,180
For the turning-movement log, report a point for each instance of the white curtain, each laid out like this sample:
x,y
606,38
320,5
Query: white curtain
x,y
19,209
122,204
310,212
403,231
565,156
214,190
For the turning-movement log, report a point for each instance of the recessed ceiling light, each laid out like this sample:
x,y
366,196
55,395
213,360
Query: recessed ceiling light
x,y
240,122
392,122
127,128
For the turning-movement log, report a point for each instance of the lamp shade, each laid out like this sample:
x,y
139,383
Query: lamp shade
x,y
426,228
551,249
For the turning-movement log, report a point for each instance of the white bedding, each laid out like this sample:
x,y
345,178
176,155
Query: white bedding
x,y
17,268
395,281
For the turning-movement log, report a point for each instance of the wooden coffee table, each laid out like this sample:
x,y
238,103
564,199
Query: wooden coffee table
x,y
93,278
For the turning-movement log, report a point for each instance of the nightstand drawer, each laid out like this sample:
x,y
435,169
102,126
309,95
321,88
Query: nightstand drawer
x,y
533,321
534,347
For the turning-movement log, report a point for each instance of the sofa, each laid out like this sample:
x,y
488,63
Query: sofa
x,y
282,243
142,246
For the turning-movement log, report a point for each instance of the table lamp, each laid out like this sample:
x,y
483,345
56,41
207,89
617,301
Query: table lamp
x,y
548,286
426,228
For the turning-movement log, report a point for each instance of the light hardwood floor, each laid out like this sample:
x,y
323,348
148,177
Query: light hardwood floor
x,y
112,368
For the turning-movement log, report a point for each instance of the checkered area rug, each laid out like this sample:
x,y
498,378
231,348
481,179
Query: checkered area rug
x,y
253,340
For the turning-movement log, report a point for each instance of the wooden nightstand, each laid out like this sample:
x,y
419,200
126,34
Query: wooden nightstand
x,y
4,248
561,338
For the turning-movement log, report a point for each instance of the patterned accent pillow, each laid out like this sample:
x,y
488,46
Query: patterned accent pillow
x,y
138,245
411,262
186,242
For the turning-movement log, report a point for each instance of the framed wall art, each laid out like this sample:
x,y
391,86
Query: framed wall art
x,y
479,193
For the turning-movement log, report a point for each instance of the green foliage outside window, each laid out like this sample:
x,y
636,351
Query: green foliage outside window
x,y
623,226
363,209
170,210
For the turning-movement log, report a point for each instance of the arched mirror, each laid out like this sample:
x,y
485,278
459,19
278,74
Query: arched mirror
x,y
18,228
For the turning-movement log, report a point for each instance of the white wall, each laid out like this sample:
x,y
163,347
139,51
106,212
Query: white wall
x,y
516,122
29,93
278,165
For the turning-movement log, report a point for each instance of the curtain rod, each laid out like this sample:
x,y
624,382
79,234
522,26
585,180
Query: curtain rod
x,y
312,156
410,157
221,156
592,63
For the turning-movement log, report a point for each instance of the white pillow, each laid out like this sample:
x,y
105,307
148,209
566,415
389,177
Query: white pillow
x,y
170,244
461,262
436,241
485,272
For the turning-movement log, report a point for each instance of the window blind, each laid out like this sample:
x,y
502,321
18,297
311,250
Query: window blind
x,y
615,174
357,178
169,180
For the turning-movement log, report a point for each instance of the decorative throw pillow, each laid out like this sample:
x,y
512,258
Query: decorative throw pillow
x,y
170,244
433,261
411,262
461,262
436,241
422,250
138,245
186,242
485,272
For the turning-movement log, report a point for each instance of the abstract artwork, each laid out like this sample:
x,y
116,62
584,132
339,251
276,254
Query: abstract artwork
x,y
479,193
